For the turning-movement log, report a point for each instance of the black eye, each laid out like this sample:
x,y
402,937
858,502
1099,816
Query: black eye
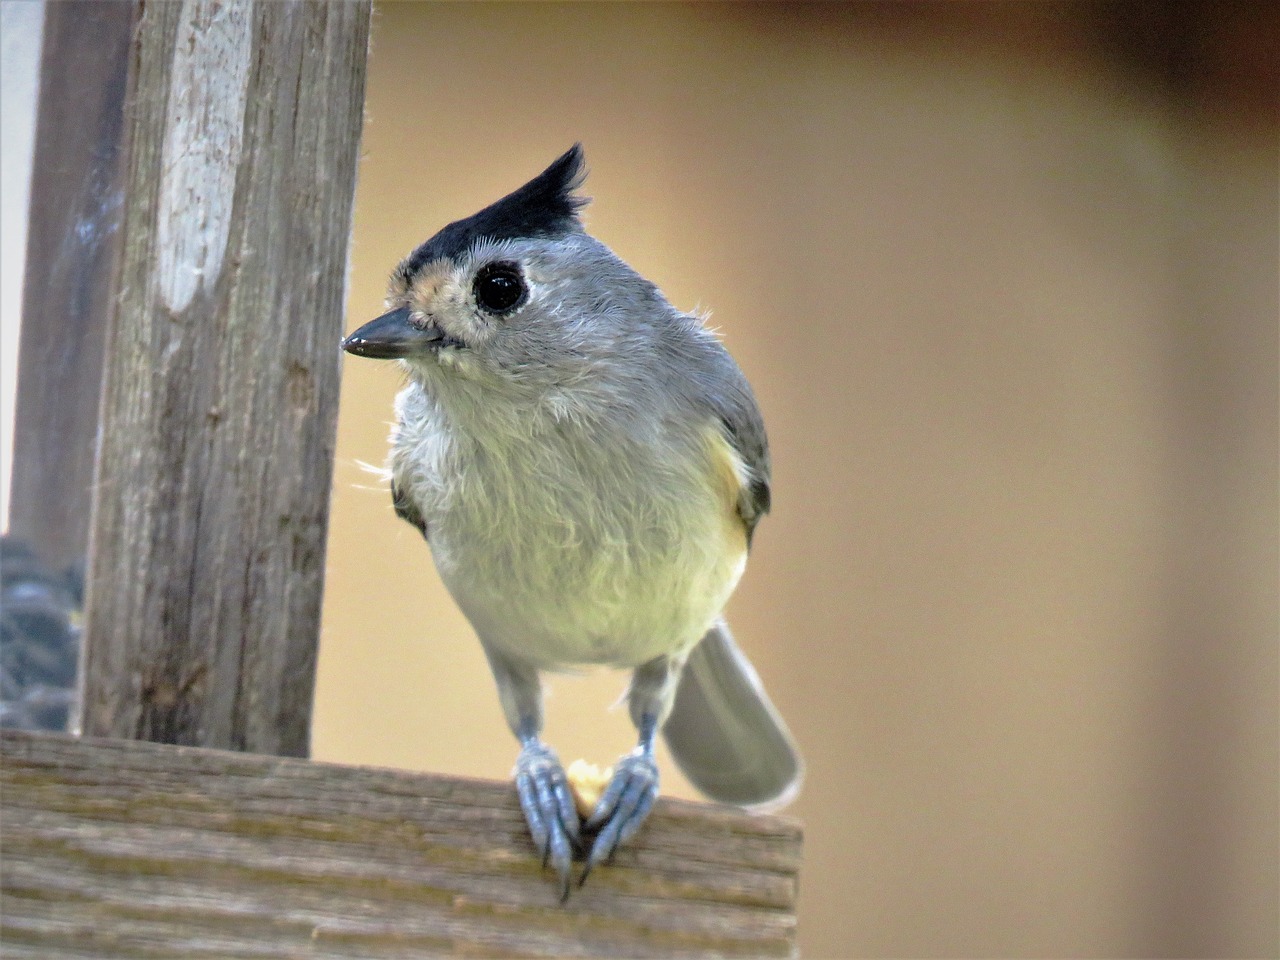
x,y
499,287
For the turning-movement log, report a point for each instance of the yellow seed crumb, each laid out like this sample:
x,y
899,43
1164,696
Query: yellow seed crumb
x,y
587,781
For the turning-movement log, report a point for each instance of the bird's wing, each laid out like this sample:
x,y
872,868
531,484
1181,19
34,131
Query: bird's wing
x,y
739,423
754,494
408,511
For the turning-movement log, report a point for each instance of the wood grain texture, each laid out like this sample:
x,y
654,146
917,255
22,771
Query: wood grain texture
x,y
119,849
73,241
221,388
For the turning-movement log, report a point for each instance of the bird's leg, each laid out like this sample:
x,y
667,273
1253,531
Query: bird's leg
x,y
540,780
632,790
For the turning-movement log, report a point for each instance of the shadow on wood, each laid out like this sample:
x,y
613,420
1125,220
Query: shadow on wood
x,y
132,849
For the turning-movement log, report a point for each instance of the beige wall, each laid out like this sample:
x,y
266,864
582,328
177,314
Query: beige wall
x,y
1012,319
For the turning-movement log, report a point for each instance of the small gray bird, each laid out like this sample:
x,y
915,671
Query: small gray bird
x,y
587,464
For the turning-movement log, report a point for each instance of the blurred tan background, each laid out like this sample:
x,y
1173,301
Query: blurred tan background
x,y
1004,277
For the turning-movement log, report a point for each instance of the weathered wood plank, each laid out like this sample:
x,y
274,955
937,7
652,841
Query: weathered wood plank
x,y
117,849
72,245
221,388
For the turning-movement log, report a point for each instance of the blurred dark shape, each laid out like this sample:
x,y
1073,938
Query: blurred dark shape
x,y
1219,53
39,639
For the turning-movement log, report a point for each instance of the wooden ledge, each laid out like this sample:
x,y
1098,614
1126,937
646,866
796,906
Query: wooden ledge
x,y
117,848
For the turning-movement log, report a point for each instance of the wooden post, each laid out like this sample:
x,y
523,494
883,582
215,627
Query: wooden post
x,y
72,245
221,384
117,849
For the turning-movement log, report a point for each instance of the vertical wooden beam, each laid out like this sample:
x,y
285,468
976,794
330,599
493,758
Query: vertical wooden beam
x,y
72,245
220,401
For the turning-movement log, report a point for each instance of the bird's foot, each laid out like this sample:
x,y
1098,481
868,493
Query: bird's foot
x,y
623,807
548,808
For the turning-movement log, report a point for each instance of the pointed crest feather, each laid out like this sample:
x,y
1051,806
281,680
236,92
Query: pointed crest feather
x,y
544,207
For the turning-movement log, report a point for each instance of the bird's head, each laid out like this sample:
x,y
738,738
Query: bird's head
x,y
515,296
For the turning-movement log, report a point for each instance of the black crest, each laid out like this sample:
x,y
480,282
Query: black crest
x,y
543,207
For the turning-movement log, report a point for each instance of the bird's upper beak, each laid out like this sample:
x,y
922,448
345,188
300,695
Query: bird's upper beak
x,y
392,336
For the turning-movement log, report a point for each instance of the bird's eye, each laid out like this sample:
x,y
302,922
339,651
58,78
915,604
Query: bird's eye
x,y
499,287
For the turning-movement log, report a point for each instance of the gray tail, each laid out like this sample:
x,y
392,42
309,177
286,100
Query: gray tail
x,y
725,735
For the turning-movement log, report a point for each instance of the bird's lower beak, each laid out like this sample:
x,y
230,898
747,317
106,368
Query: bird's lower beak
x,y
392,336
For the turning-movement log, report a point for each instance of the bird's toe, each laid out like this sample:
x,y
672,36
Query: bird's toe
x,y
624,806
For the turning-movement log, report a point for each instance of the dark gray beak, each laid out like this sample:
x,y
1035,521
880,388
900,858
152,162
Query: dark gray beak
x,y
391,336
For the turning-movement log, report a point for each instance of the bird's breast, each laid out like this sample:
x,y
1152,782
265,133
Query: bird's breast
x,y
570,549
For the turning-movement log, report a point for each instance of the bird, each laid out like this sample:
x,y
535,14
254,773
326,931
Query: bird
x,y
588,466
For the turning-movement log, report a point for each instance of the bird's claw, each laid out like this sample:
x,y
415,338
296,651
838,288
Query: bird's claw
x,y
548,809
623,807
